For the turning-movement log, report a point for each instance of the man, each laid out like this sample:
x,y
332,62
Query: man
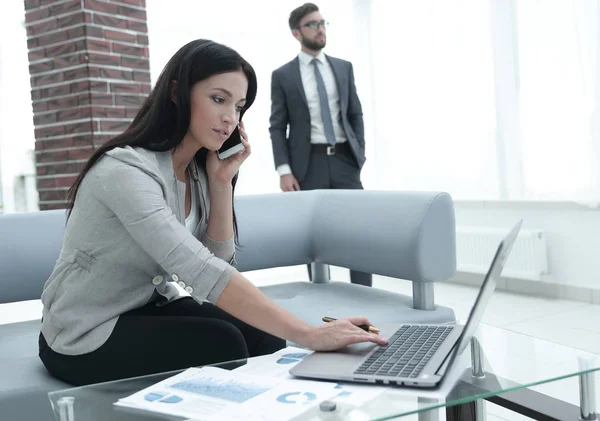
x,y
315,96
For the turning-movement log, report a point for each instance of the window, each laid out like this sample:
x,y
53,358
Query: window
x,y
557,53
435,121
488,99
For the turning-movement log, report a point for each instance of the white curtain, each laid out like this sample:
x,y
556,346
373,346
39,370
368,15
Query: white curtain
x,y
488,99
434,97
557,56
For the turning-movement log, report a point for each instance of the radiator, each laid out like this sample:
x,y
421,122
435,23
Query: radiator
x,y
476,246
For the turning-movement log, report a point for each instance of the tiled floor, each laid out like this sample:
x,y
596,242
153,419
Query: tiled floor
x,y
549,319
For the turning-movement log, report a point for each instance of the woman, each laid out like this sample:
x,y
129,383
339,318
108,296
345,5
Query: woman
x,y
154,206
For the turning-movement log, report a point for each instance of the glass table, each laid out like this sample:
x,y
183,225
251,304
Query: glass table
x,y
510,369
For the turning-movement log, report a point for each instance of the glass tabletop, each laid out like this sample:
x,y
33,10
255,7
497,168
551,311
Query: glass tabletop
x,y
497,362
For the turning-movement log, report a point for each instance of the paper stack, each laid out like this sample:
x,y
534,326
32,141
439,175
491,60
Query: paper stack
x,y
215,394
260,390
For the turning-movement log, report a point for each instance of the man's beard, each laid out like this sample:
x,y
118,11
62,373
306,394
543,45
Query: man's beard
x,y
313,45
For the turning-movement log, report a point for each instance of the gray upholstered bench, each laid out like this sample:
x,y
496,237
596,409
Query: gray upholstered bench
x,y
405,235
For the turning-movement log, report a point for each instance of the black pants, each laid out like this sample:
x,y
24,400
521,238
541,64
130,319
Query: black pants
x,y
154,339
339,171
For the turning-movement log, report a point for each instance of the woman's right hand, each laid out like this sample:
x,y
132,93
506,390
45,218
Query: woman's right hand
x,y
340,333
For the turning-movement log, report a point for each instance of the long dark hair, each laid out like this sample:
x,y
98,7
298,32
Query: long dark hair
x,y
161,124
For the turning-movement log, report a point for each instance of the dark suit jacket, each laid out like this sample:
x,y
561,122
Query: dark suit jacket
x,y
290,108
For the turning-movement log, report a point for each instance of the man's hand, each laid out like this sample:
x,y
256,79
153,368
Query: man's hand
x,y
288,182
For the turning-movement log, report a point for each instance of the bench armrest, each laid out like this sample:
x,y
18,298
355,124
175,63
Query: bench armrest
x,y
406,235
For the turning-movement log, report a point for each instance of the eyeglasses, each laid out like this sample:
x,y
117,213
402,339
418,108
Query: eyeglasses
x,y
314,24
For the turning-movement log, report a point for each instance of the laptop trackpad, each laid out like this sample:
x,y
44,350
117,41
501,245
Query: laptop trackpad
x,y
361,349
334,364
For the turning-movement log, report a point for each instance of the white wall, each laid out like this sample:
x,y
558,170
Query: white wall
x,y
572,234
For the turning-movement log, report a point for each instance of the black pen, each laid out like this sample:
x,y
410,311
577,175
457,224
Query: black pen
x,y
366,328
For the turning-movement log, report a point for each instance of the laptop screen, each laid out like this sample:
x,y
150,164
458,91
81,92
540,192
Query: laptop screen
x,y
487,288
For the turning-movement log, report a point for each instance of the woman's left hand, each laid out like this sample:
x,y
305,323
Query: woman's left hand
x,y
221,172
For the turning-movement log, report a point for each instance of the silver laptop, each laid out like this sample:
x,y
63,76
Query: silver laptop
x,y
418,355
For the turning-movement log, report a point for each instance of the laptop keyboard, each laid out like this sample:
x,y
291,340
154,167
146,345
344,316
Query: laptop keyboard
x,y
408,351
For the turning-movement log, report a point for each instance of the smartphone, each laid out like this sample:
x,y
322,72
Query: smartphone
x,y
232,145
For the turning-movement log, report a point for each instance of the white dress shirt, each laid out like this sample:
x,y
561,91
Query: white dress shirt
x,y
309,83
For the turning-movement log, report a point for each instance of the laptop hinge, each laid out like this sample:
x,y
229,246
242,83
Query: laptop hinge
x,y
447,360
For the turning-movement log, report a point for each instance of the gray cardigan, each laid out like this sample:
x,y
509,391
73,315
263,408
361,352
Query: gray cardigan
x,y
125,242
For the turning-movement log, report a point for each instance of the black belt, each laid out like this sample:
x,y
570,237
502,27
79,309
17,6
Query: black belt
x,y
329,149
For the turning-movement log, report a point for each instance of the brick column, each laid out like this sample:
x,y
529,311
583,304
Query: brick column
x,y
90,73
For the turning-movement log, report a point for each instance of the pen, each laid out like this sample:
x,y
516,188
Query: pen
x,y
366,328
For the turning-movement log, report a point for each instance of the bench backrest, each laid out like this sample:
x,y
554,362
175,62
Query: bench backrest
x,y
406,235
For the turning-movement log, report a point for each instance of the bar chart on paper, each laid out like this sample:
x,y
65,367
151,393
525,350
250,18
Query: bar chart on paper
x,y
229,390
